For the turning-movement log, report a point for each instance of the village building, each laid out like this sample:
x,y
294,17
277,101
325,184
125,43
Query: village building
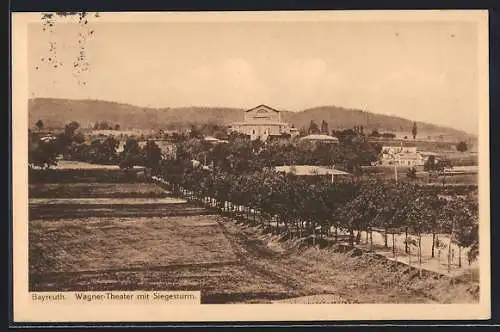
x,y
401,156
261,122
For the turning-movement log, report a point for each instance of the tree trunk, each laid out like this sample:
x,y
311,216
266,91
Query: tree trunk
x,y
459,257
406,240
439,258
420,253
371,240
433,243
393,245
351,237
386,245
419,248
336,234
409,257
449,252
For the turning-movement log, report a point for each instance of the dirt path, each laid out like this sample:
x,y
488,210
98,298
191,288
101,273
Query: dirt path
x,y
312,272
259,258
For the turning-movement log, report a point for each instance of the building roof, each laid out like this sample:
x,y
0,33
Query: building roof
x,y
262,105
259,123
303,170
212,139
320,137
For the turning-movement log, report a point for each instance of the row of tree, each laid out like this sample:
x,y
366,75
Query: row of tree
x,y
359,129
299,207
105,125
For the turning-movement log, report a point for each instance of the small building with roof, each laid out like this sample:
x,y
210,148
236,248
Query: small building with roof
x,y
213,140
320,138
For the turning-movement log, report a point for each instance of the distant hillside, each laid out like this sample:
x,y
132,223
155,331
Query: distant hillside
x,y
57,112
341,118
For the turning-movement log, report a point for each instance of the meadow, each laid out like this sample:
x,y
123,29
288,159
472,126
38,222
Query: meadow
x,y
96,190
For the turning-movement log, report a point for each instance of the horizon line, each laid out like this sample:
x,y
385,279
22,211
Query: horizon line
x,y
158,108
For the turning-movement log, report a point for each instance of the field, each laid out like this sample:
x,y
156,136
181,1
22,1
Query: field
x,y
462,158
387,172
115,242
96,190
428,144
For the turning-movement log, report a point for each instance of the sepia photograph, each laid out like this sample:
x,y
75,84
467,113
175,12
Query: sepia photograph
x,y
251,159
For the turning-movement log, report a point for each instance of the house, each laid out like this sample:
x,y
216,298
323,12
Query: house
x,y
261,122
400,156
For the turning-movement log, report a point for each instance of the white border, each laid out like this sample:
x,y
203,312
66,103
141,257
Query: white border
x,y
26,311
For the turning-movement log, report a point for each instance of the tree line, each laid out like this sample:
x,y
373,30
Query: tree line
x,y
299,207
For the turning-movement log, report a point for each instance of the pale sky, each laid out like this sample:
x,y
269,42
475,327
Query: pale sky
x,y
420,71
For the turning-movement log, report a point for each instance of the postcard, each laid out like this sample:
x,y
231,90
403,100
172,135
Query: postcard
x,y
250,166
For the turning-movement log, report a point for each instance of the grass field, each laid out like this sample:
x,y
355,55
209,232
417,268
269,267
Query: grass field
x,y
95,190
119,243
387,173
462,158
88,175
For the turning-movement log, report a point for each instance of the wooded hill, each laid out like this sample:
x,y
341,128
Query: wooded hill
x,y
56,112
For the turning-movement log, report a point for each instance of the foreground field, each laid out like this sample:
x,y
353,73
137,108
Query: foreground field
x,y
168,244
228,262
96,190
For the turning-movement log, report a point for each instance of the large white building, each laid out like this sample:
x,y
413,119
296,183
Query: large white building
x,y
401,156
261,122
